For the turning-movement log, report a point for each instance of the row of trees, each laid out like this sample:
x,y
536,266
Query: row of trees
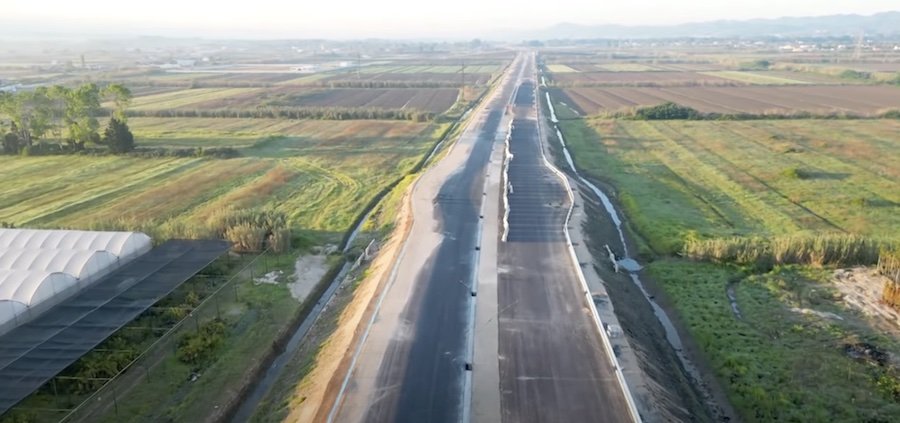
x,y
66,115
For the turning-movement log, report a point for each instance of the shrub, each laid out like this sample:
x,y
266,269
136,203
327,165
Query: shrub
x,y
889,264
855,75
245,236
196,348
794,173
755,65
252,230
665,111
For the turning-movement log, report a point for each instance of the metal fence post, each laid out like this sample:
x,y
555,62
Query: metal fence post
x,y
115,401
55,393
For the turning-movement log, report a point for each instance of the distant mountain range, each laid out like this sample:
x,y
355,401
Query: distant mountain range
x,y
883,24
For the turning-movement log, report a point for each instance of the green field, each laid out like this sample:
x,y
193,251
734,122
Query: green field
x,y
560,68
718,179
755,78
175,99
235,132
627,67
777,364
776,358
320,173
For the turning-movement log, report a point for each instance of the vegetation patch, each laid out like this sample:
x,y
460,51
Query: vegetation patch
x,y
765,253
777,364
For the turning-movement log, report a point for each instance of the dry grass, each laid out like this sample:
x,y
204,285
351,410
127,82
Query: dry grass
x,y
821,250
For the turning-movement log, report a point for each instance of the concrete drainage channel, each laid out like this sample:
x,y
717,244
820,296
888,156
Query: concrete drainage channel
x,y
628,263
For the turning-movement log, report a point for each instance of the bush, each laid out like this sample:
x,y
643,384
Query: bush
x,y
889,264
794,173
196,348
665,111
855,75
252,230
755,65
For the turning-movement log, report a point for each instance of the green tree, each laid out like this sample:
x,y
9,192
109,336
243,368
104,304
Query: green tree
x,y
82,107
118,136
26,110
58,99
121,97
11,144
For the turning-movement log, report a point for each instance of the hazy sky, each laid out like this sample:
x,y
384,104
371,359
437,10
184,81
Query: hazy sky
x,y
392,18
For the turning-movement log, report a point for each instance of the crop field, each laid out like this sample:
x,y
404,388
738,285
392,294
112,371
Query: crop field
x,y
780,336
182,98
443,79
856,99
446,68
673,78
320,175
436,100
242,133
215,79
778,340
560,68
720,179
757,78
628,67
691,67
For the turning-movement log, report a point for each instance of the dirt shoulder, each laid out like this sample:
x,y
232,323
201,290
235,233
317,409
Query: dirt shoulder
x,y
314,394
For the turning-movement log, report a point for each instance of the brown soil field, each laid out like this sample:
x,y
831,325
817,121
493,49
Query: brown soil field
x,y
872,67
439,78
856,99
697,67
653,78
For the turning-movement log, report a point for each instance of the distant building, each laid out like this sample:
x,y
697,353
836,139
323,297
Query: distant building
x,y
305,68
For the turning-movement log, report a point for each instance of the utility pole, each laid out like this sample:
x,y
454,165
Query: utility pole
x,y
857,53
463,71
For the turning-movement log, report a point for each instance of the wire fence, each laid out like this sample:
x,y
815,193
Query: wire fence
x,y
105,403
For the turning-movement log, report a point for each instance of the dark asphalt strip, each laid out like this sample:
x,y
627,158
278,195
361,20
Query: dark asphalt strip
x,y
429,366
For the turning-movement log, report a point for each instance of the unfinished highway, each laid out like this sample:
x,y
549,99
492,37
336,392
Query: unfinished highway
x,y
481,321
553,365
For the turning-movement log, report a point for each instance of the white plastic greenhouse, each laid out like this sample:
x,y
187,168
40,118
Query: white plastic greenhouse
x,y
82,264
40,268
120,244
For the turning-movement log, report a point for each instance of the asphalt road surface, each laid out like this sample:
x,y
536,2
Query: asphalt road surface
x,y
553,366
550,363
412,367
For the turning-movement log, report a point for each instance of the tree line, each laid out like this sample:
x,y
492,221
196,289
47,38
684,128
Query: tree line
x,y
69,116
